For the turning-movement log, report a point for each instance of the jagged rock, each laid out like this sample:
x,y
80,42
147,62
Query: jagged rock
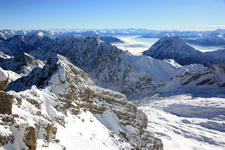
x,y
48,132
5,135
6,101
209,79
4,84
4,139
68,91
213,75
22,63
4,79
30,137
101,61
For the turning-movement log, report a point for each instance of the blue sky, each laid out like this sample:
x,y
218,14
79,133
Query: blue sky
x,y
100,14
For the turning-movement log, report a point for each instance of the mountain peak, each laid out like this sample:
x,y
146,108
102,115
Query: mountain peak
x,y
179,50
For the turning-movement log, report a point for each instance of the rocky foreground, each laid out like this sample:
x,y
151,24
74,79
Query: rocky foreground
x,y
58,105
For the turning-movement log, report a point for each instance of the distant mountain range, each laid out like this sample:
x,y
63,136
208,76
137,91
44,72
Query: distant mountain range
x,y
216,37
6,34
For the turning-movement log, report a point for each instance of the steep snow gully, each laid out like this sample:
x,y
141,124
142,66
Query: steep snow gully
x,y
71,93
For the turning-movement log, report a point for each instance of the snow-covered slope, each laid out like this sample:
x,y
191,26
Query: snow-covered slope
x,y
60,107
187,122
187,112
176,48
211,80
159,69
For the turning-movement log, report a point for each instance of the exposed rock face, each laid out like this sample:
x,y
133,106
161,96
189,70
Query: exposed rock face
x,y
4,139
22,43
210,79
100,60
4,84
30,137
6,135
176,48
111,72
214,75
60,90
22,63
6,101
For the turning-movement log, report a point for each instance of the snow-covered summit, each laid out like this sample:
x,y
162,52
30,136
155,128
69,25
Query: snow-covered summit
x,y
176,48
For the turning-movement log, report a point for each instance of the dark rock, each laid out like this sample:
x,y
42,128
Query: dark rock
x,y
6,101
30,137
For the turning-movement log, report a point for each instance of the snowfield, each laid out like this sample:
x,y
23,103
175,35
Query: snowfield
x,y
186,122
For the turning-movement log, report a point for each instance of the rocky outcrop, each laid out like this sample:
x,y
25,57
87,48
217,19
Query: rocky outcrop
x,y
197,82
6,101
112,73
59,91
213,75
4,84
22,63
30,137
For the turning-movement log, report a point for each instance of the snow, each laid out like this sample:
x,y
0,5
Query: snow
x,y
182,121
84,130
159,69
40,34
3,75
176,48
186,122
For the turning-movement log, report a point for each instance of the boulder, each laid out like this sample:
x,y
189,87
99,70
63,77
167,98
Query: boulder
x,y
6,101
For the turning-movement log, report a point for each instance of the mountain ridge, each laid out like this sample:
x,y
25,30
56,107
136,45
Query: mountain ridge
x,y
50,102
176,48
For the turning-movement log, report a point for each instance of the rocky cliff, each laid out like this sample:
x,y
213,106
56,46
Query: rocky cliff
x,y
59,107
20,64
204,82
